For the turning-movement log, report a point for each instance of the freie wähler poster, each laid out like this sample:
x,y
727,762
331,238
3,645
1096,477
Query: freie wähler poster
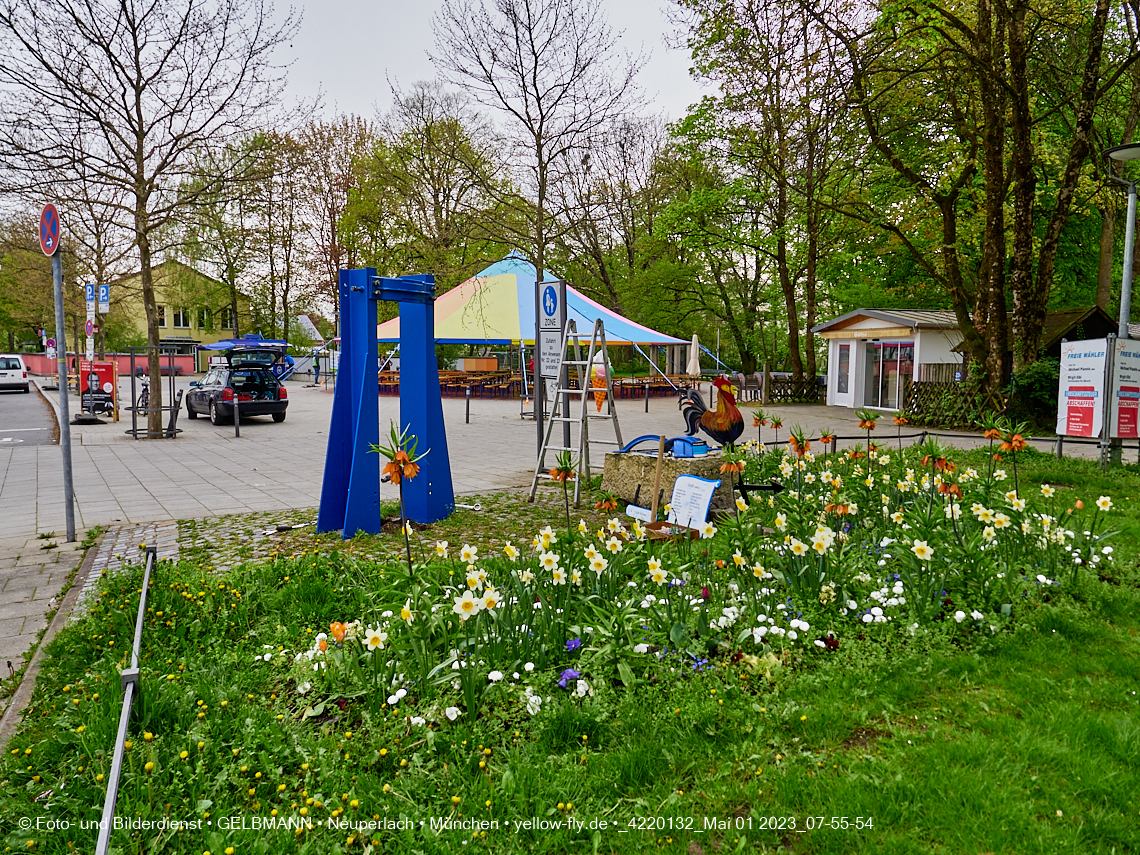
x,y
1080,398
1124,423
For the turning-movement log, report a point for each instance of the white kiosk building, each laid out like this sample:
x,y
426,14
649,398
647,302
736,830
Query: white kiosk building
x,y
872,353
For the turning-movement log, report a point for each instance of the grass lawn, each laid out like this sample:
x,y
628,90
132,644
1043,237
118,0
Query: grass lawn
x,y
1005,734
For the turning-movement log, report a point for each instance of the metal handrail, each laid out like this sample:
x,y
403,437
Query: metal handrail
x,y
129,680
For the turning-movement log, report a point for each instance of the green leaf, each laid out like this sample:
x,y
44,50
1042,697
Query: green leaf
x,y
678,633
626,673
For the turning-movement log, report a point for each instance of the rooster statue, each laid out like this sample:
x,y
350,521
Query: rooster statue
x,y
725,424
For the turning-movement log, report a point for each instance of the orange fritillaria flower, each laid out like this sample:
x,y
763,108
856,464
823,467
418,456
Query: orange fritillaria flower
x,y
393,470
899,420
1017,442
827,438
867,424
561,475
729,466
758,422
606,505
992,433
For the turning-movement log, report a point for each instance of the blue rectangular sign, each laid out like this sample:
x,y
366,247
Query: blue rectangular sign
x,y
90,289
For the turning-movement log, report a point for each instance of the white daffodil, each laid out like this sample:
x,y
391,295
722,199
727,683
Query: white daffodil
x,y
922,549
467,605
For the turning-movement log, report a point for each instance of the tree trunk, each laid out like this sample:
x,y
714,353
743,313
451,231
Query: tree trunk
x,y
1104,268
1024,189
154,370
1034,322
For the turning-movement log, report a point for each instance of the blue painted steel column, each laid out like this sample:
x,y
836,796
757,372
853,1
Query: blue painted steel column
x,y
350,494
429,496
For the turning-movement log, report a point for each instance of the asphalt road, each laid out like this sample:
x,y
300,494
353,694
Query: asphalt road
x,y
25,419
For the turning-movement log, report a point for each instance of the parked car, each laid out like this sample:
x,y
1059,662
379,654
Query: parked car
x,y
248,378
13,373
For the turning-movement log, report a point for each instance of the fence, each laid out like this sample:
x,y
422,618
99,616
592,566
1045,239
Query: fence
x,y
129,680
790,391
935,402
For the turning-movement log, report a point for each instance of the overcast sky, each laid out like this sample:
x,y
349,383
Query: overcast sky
x,y
347,50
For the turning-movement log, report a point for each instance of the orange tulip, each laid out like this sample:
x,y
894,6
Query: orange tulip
x,y
336,629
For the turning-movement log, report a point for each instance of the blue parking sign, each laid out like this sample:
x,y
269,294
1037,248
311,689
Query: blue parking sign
x,y
90,289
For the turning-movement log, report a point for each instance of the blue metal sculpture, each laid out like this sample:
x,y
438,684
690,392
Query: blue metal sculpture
x,y
350,495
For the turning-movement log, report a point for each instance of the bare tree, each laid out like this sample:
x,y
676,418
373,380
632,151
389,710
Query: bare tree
x,y
133,90
333,151
554,69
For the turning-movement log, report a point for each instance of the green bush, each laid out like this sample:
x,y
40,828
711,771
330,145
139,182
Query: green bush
x,y
1034,391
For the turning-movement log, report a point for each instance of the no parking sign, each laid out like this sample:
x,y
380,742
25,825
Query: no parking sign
x,y
49,229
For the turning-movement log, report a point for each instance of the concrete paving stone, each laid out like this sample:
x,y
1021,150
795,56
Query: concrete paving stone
x,y
20,609
30,582
12,626
13,648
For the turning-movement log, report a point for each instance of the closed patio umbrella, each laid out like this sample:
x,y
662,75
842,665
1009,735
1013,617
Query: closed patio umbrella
x,y
693,369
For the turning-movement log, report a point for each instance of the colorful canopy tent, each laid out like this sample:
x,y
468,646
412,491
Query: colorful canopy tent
x,y
496,306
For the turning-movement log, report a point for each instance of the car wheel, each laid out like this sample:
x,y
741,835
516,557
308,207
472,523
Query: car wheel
x,y
278,417
215,416
190,412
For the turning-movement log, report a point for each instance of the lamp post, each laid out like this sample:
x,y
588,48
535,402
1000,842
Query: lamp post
x,y
1123,154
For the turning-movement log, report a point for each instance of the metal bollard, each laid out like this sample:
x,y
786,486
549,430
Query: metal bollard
x,y
647,396
467,395
1060,446
237,417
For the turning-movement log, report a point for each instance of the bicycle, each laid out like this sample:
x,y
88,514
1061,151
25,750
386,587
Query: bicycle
x,y
143,400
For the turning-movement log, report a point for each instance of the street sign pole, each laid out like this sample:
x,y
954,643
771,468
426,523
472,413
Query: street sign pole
x,y
64,415
50,234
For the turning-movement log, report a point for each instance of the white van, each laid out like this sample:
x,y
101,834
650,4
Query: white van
x,y
13,372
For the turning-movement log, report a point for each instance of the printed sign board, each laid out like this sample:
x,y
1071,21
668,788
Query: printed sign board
x,y
551,324
689,505
104,299
97,382
1123,420
1080,396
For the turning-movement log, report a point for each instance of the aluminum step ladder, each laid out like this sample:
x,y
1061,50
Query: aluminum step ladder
x,y
565,396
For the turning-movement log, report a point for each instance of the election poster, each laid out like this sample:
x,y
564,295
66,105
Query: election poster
x,y
97,384
1080,398
1123,421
